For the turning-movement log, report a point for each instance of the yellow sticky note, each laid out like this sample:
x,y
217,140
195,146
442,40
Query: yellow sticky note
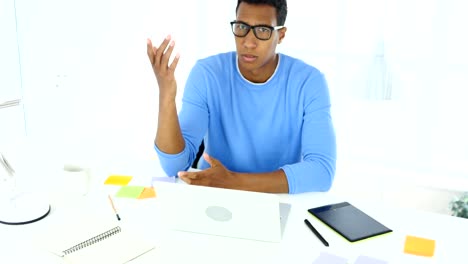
x,y
419,246
148,192
118,180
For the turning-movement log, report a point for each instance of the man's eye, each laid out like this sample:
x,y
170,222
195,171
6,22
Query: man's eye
x,y
263,29
243,27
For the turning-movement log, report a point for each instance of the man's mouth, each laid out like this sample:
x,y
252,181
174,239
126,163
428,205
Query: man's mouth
x,y
249,58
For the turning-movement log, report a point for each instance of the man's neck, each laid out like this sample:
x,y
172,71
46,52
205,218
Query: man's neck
x,y
261,75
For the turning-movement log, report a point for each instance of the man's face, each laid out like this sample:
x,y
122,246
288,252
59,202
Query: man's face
x,y
257,58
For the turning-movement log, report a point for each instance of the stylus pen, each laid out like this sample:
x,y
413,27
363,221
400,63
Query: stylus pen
x,y
311,227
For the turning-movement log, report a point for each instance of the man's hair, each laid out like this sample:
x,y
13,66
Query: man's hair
x,y
280,5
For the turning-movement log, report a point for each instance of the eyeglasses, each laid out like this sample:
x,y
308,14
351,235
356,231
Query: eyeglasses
x,y
262,32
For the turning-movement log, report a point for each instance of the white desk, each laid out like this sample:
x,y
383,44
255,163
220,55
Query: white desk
x,y
299,244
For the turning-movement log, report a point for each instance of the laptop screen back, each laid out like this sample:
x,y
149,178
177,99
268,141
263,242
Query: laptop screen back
x,y
223,212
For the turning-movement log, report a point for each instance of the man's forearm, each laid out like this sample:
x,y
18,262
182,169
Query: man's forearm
x,y
168,136
271,182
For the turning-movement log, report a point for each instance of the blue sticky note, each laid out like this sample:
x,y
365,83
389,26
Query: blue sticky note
x,y
164,179
369,260
328,258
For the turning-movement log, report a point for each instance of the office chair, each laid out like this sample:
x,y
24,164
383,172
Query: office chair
x,y
201,148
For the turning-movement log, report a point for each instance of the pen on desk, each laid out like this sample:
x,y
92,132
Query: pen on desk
x,y
113,208
311,227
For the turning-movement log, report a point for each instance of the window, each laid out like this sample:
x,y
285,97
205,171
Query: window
x,y
11,110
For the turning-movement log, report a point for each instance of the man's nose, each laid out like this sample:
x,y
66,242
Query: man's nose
x,y
250,41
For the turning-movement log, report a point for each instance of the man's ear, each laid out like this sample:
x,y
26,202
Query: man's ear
x,y
282,34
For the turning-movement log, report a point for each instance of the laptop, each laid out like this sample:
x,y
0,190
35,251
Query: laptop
x,y
222,212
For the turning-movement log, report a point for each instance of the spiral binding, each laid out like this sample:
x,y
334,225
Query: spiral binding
x,y
93,240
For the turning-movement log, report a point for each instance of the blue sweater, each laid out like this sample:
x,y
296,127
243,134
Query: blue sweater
x,y
282,123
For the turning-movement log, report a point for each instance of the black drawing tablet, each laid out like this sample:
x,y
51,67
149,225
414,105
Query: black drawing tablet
x,y
349,221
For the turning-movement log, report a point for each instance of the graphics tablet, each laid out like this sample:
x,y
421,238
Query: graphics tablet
x,y
349,221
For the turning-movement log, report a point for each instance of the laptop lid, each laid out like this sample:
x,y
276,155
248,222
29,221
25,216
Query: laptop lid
x,y
223,212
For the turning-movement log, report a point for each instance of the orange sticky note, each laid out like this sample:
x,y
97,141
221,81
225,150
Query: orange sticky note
x,y
148,192
419,246
118,180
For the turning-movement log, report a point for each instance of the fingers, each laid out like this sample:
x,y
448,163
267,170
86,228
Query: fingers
x,y
174,63
150,50
166,55
215,176
160,52
212,161
185,179
207,158
159,57
188,177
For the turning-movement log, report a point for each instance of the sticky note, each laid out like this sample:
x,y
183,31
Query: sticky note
x,y
164,179
328,258
130,191
118,180
419,246
369,260
148,192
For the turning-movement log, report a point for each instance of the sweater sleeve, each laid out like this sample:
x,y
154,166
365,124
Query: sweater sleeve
x,y
193,120
316,171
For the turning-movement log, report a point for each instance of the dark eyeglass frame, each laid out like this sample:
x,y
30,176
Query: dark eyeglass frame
x,y
249,27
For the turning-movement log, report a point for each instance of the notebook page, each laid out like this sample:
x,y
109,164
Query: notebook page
x,y
119,248
60,236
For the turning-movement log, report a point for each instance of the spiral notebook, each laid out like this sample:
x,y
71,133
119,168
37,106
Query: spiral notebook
x,y
92,242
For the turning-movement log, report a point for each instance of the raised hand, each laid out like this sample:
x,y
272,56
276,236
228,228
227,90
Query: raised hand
x,y
163,70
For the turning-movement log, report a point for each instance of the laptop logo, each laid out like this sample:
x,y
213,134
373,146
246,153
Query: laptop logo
x,y
218,213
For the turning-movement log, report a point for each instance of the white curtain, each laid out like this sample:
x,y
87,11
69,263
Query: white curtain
x,y
429,65
397,71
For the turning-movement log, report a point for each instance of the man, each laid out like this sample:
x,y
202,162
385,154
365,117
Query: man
x,y
264,117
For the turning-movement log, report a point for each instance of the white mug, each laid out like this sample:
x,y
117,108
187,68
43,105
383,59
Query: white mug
x,y
75,179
